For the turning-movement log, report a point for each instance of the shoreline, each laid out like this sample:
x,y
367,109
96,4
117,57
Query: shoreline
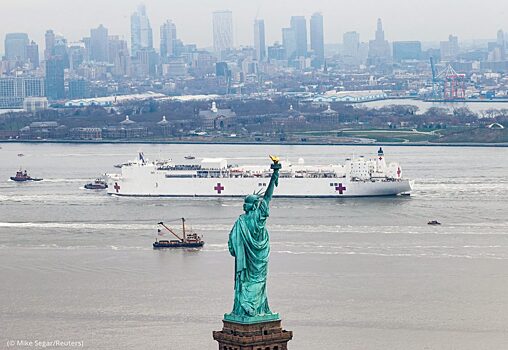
x,y
250,143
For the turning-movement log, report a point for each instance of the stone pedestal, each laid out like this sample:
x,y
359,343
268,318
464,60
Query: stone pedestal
x,y
255,336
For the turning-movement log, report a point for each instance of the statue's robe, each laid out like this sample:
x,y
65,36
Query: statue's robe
x,y
249,244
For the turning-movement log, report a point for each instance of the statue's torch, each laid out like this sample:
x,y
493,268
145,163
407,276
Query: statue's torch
x,y
276,163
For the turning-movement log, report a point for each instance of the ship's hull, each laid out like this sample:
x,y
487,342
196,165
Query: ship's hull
x,y
159,245
95,187
21,179
157,185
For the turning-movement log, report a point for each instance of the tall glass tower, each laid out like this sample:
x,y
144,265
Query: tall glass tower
x,y
299,26
259,39
168,40
15,46
99,44
222,31
317,43
141,31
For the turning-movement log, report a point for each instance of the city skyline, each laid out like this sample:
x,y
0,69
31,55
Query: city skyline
x,y
410,21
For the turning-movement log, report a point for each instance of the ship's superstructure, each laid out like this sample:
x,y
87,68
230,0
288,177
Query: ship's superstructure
x,y
215,177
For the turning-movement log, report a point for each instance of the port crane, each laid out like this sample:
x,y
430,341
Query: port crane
x,y
447,85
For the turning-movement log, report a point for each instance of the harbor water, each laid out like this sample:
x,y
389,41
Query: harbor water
x,y
357,273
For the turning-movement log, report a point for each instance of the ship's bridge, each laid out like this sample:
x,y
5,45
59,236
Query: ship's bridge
x,y
213,167
214,164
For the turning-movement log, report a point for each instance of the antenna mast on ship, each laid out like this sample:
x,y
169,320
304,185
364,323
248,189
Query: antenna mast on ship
x,y
183,230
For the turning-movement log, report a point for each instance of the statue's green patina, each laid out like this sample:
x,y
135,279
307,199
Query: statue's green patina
x,y
249,243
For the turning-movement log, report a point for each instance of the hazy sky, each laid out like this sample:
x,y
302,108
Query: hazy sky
x,y
426,20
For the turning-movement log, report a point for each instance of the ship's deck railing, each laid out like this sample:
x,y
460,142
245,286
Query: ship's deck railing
x,y
376,179
180,167
226,174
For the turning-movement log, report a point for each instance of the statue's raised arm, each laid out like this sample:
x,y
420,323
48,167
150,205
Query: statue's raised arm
x,y
274,181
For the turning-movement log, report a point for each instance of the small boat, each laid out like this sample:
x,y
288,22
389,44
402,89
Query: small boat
x,y
141,160
21,155
23,177
98,184
120,165
433,222
189,157
187,240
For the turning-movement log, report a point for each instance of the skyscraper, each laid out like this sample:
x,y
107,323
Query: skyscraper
x,y
407,50
55,89
146,63
119,56
168,40
379,48
32,54
276,52
77,54
99,44
61,49
289,42
141,31
317,43
380,33
49,44
299,26
449,49
351,44
501,43
500,38
259,39
15,46
222,31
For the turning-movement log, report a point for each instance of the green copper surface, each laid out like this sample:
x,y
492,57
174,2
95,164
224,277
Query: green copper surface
x,y
251,319
249,243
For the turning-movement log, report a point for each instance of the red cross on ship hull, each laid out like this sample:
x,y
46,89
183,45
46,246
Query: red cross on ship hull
x,y
341,188
219,188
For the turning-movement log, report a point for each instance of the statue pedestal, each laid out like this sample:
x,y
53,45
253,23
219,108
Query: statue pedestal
x,y
267,335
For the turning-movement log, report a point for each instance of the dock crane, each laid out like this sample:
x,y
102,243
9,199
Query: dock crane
x,y
454,86
435,94
433,67
451,84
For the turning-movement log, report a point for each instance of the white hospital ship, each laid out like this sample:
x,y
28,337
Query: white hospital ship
x,y
215,177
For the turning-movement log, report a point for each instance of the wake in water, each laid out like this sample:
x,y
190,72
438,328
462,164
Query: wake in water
x,y
105,227
460,252
323,231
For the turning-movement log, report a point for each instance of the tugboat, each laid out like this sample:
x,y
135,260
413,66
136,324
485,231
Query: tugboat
x,y
98,184
188,239
433,222
23,177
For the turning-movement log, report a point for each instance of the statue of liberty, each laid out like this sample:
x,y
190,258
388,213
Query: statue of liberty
x,y
249,243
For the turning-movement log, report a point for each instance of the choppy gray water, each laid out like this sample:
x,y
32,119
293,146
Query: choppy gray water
x,y
345,274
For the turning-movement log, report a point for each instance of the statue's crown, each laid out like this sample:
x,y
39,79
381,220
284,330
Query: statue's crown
x,y
252,198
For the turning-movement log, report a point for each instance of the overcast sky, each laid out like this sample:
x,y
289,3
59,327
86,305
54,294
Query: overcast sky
x,y
425,20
